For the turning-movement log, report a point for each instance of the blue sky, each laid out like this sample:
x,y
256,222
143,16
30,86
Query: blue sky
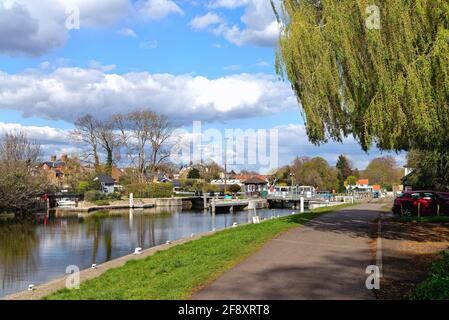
x,y
210,60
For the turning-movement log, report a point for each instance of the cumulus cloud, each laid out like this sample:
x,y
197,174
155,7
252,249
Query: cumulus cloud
x,y
40,26
259,26
229,4
66,93
158,9
207,20
127,32
41,134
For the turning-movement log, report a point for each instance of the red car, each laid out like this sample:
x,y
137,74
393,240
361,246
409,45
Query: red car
x,y
429,203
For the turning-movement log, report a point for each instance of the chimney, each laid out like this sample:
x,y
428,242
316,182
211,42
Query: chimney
x,y
53,159
63,157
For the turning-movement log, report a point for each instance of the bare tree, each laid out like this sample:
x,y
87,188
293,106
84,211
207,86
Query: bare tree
x,y
15,147
162,130
86,132
21,180
108,139
141,123
144,135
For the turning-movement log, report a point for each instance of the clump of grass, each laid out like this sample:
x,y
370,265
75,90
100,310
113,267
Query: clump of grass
x,y
436,286
175,273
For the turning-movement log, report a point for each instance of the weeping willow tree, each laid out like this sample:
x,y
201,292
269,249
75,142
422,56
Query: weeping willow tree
x,y
386,86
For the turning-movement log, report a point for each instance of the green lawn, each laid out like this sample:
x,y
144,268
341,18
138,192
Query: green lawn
x,y
175,273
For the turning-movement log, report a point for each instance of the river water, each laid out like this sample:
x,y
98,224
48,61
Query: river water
x,y
38,251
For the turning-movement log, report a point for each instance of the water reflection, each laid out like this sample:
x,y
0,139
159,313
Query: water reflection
x,y
40,251
18,244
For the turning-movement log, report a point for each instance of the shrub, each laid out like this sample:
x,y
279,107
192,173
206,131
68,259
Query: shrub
x,y
114,196
93,196
159,190
235,188
83,186
102,202
194,174
436,286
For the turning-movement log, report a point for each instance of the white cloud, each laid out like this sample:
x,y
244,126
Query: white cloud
x,y
150,44
41,134
207,20
66,93
30,27
233,67
127,32
97,13
93,64
259,25
229,4
157,9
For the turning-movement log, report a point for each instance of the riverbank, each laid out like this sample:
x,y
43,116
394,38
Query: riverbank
x,y
175,273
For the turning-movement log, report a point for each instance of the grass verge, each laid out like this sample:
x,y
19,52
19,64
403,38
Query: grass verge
x,y
176,273
436,286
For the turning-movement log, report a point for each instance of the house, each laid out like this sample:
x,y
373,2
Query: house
x,y
160,177
56,170
231,175
116,174
255,187
108,184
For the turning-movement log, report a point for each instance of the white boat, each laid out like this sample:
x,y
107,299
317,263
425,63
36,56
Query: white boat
x,y
66,203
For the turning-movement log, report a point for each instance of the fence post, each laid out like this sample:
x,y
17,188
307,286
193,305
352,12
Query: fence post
x,y
131,200
419,209
302,205
438,209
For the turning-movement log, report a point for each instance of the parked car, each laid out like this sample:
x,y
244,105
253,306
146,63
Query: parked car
x,y
429,203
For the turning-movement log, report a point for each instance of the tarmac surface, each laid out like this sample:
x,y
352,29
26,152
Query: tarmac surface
x,y
324,259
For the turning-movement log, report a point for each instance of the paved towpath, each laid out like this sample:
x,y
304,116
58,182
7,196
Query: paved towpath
x,y
324,259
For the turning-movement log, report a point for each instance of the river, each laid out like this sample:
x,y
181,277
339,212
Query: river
x,y
38,251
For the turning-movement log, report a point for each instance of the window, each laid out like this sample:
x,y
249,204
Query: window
x,y
428,195
415,196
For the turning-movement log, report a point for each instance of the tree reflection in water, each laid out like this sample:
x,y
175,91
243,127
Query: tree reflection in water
x,y
18,251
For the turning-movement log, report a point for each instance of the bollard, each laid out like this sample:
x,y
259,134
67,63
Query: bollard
x,y
302,205
131,200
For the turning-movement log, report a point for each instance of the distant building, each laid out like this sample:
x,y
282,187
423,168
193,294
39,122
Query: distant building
x,y
361,185
56,170
108,184
255,187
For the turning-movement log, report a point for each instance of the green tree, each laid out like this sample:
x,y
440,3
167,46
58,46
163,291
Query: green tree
x,y
318,173
344,170
383,171
385,85
193,174
351,181
430,169
21,179
234,188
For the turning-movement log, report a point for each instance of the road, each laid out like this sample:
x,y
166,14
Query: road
x,y
324,259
